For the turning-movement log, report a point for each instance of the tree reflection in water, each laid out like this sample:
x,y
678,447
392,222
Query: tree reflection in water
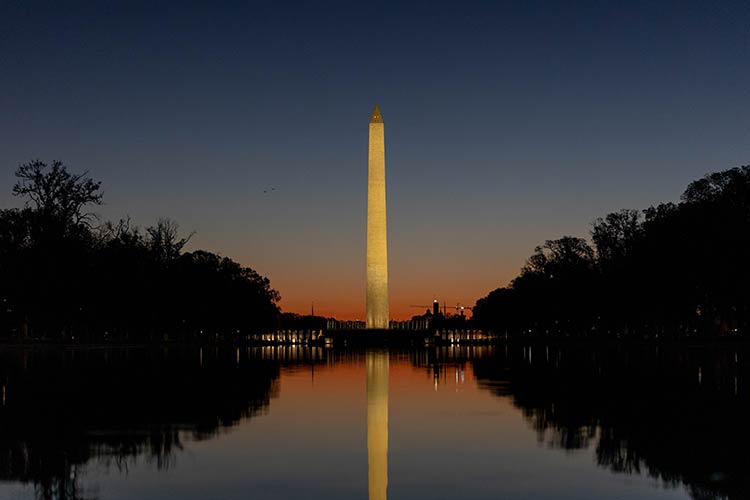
x,y
63,409
678,413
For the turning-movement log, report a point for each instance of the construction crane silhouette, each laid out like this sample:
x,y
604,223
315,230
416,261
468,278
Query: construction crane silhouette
x,y
436,307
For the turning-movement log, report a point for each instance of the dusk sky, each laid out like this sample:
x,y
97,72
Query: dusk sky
x,y
506,124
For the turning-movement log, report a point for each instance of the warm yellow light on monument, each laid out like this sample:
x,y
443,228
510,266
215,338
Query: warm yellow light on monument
x,y
377,242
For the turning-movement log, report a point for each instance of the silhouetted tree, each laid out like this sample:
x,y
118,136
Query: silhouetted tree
x,y
549,296
57,197
616,235
680,269
163,240
561,257
63,278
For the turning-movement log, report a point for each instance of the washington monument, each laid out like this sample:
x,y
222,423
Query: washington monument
x,y
377,242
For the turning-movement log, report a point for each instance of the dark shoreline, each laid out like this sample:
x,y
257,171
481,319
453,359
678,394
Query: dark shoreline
x,y
358,338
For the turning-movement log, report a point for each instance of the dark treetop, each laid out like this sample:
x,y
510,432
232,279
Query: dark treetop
x,y
671,269
67,276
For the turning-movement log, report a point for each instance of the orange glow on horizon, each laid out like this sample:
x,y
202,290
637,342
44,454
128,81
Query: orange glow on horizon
x,y
401,307
406,388
342,295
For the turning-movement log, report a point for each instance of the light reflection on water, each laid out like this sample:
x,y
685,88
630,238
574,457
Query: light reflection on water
x,y
377,424
513,421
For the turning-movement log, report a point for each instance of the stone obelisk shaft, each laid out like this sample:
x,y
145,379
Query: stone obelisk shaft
x,y
377,424
377,244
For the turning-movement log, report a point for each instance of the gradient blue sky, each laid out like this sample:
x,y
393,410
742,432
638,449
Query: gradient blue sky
x,y
507,123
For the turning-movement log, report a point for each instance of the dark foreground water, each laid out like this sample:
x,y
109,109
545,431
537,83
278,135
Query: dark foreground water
x,y
575,421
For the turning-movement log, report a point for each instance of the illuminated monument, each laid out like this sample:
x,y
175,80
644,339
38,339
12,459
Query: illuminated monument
x,y
377,243
377,424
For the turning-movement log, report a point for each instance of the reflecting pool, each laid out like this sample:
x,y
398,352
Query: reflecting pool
x,y
516,421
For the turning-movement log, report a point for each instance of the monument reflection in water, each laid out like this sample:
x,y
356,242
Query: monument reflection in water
x,y
377,424
588,421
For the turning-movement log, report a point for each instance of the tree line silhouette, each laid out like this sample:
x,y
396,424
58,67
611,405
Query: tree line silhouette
x,y
675,269
65,276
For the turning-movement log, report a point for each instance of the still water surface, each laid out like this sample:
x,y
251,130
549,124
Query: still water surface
x,y
517,421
